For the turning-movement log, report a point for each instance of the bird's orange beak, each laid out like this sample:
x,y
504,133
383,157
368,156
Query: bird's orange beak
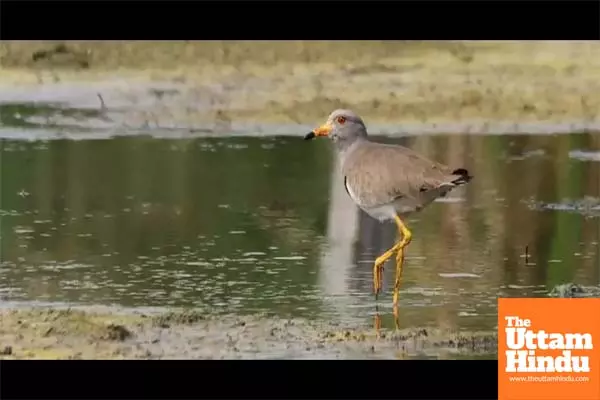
x,y
323,130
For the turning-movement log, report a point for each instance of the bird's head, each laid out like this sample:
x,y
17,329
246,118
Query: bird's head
x,y
342,127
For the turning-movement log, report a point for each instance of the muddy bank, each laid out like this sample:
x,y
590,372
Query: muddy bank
x,y
71,334
249,86
117,333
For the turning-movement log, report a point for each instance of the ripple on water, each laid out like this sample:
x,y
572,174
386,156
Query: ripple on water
x,y
588,206
584,155
459,275
290,258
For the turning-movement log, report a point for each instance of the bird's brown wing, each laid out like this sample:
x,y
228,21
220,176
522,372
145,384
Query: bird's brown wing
x,y
378,174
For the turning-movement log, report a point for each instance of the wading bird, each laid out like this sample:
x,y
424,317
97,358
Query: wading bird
x,y
388,182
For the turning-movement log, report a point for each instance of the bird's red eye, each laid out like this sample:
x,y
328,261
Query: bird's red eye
x,y
341,120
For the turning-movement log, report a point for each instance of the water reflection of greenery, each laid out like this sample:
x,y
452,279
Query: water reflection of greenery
x,y
137,195
141,196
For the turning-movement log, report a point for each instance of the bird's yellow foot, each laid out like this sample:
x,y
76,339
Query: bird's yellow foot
x,y
378,276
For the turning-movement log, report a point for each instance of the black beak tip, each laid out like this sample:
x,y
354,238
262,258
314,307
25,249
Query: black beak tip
x,y
309,136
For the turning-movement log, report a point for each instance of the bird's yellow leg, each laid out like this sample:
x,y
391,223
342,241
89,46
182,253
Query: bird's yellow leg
x,y
377,322
406,238
396,317
399,265
378,266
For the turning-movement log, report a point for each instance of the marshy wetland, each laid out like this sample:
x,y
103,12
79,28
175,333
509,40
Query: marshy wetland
x,y
157,199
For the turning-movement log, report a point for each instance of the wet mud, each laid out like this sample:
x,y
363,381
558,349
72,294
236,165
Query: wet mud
x,y
42,333
100,333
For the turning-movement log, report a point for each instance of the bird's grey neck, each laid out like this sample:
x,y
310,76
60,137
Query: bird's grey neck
x,y
346,147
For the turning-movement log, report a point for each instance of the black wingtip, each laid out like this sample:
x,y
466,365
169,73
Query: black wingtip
x,y
463,176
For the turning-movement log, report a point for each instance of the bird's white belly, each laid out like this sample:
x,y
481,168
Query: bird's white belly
x,y
381,213
351,193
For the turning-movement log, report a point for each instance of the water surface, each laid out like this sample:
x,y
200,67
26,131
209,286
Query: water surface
x,y
246,225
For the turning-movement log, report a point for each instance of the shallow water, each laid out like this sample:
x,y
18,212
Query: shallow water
x,y
245,225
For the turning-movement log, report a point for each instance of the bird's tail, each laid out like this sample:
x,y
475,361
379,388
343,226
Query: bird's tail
x,y
461,176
